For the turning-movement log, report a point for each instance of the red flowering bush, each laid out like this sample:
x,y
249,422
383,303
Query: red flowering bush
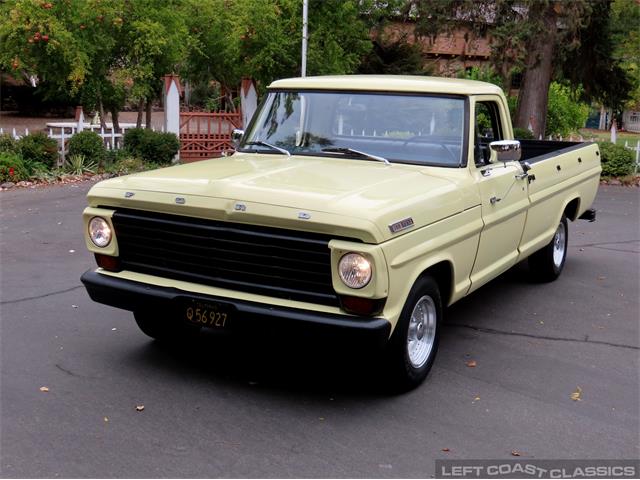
x,y
12,168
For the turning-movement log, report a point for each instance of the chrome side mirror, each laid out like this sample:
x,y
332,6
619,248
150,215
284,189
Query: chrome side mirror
x,y
505,151
236,136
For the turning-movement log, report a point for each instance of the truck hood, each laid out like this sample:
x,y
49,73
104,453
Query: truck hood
x,y
353,198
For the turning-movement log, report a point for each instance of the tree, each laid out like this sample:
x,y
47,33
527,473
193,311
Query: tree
x,y
537,37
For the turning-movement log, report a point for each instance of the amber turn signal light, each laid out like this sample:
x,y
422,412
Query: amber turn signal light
x,y
107,262
362,306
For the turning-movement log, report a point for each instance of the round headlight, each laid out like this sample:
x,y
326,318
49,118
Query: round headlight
x,y
354,270
99,232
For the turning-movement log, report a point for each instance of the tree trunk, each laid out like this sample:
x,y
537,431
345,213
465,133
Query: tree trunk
x,y
140,112
103,120
532,102
115,122
148,114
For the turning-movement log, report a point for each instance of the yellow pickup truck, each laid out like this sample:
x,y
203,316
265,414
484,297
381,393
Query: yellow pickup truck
x,y
355,207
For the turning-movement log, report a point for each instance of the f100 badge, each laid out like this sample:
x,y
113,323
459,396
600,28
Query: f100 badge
x,y
401,225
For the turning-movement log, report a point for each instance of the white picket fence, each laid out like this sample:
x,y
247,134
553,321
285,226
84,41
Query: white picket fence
x,y
63,131
634,149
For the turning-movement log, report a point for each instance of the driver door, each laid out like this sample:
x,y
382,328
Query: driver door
x,y
503,194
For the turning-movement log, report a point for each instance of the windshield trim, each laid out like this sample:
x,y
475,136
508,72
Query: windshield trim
x,y
464,155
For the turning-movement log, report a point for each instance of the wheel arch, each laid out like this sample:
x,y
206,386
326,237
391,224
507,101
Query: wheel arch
x,y
572,208
443,273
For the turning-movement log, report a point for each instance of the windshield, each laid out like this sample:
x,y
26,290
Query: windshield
x,y
403,128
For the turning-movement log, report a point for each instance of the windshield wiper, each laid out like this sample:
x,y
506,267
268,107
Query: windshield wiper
x,y
272,147
356,152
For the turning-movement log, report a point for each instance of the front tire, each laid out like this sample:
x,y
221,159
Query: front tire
x,y
414,343
547,263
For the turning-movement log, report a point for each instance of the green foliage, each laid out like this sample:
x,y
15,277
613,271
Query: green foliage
x,y
522,134
393,57
78,164
37,147
87,144
482,74
12,168
150,146
565,112
127,165
616,160
625,36
8,144
113,156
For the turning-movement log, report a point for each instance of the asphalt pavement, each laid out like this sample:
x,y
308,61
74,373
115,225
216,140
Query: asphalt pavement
x,y
247,408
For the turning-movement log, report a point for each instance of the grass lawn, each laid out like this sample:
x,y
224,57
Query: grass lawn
x,y
605,135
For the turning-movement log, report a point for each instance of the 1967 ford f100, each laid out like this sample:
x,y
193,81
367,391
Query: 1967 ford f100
x,y
358,206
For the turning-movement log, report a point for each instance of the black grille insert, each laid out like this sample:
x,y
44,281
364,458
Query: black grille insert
x,y
264,260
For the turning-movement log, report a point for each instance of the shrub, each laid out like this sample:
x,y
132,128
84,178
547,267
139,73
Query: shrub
x,y
565,113
37,147
616,160
8,144
78,164
12,168
127,165
522,134
113,156
88,144
150,146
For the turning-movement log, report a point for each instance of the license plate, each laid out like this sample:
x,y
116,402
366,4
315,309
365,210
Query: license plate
x,y
206,314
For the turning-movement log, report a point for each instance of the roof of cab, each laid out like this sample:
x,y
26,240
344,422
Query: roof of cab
x,y
388,83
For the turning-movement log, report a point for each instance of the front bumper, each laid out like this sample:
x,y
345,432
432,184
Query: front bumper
x,y
253,317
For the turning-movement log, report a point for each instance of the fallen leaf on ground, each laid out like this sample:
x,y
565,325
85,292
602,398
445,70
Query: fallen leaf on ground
x,y
471,363
114,329
139,408
575,396
476,399
446,450
515,453
74,306
72,251
44,389
106,419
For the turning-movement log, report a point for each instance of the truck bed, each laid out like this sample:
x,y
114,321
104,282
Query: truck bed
x,y
537,150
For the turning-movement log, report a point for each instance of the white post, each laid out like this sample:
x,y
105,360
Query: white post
x,y
79,119
637,156
305,17
26,131
172,106
614,132
62,149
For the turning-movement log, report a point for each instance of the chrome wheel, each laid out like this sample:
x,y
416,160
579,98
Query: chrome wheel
x,y
559,245
422,331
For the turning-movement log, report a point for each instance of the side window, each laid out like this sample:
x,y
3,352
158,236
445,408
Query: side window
x,y
487,130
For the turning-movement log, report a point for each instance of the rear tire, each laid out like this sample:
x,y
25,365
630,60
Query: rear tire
x,y
547,263
413,346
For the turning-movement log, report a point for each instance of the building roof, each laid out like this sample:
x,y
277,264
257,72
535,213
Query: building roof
x,y
388,83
